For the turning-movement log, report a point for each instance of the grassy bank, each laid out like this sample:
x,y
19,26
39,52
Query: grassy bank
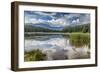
x,y
35,55
80,39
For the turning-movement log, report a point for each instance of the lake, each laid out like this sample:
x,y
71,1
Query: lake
x,y
57,46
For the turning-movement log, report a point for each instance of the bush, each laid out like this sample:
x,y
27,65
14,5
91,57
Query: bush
x,y
35,55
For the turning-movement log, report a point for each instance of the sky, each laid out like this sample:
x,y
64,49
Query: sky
x,y
56,19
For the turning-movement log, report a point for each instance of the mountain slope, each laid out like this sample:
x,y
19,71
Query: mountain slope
x,y
30,28
47,28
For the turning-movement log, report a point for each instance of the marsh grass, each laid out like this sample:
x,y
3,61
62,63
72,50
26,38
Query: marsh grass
x,y
80,39
35,55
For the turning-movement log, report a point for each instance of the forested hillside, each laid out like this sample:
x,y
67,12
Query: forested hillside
x,y
75,28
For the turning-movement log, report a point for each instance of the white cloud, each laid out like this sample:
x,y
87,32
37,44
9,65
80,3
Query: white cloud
x,y
72,15
76,21
44,13
26,19
35,21
55,21
59,22
31,44
29,18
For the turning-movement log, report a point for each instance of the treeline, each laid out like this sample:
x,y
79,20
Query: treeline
x,y
30,28
77,28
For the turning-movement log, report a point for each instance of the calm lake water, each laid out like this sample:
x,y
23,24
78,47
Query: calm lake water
x,y
57,47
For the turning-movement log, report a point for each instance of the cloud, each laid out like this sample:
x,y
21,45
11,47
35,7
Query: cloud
x,y
73,15
56,19
58,22
76,21
35,21
45,13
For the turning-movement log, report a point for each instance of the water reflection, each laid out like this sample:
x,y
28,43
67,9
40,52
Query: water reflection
x,y
59,47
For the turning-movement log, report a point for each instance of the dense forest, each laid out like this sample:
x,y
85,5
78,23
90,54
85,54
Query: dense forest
x,y
78,28
30,28
75,28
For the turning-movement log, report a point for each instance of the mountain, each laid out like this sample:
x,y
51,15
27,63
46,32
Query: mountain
x,y
46,26
31,28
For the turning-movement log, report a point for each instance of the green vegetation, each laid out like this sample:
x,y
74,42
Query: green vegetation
x,y
35,55
78,28
80,39
75,28
30,28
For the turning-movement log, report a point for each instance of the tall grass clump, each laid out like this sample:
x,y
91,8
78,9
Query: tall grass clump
x,y
80,39
35,55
